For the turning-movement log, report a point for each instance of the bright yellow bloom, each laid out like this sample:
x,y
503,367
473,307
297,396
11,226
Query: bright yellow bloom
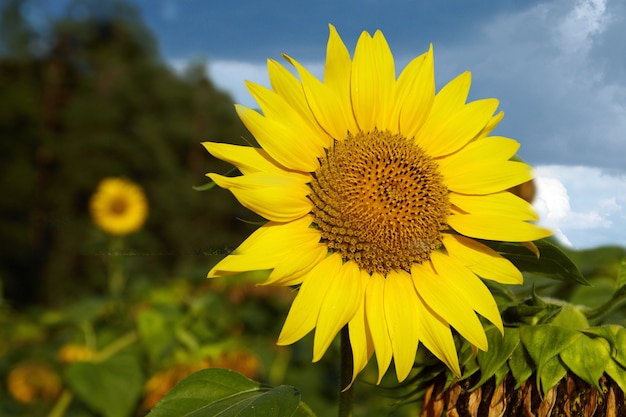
x,y
118,206
375,189
160,383
76,353
29,382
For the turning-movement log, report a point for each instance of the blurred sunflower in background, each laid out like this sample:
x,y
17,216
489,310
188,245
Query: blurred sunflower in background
x,y
119,206
376,189
32,381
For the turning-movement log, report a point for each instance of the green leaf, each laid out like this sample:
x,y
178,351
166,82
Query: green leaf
x,y
550,374
570,317
587,358
521,365
617,374
545,341
500,349
467,360
608,333
531,311
111,387
621,274
225,393
620,343
552,262
157,331
501,374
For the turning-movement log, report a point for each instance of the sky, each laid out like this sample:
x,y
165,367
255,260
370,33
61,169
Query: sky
x,y
558,68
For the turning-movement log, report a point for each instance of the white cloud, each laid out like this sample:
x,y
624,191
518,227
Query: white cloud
x,y
584,206
231,76
576,30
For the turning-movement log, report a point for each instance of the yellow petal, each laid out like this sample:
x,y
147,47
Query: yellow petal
x,y
443,296
274,236
435,334
338,69
341,302
326,104
268,246
276,107
377,323
484,226
292,267
304,312
493,122
533,248
503,204
247,159
415,94
466,283
282,142
276,197
482,260
360,337
236,264
443,137
285,84
372,83
450,99
402,315
490,148
485,176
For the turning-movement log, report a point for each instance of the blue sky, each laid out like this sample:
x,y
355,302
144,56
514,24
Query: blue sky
x,y
558,68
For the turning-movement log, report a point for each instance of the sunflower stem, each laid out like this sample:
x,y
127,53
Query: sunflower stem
x,y
605,308
345,375
117,280
60,407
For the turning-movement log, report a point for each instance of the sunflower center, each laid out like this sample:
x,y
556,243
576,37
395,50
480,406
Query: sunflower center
x,y
380,201
118,206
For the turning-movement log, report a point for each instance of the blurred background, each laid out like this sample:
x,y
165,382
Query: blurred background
x,y
91,98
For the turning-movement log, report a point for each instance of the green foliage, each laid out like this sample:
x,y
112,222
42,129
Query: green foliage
x,y
111,387
552,261
220,392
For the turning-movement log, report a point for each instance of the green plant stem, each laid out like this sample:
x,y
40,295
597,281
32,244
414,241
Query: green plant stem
x,y
620,295
117,280
116,346
306,409
346,398
279,367
61,405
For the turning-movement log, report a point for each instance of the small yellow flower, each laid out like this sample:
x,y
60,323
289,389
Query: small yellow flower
x,y
75,353
118,206
376,189
161,382
29,382
238,360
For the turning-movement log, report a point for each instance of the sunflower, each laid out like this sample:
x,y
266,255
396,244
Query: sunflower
x,y
118,206
375,189
29,382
